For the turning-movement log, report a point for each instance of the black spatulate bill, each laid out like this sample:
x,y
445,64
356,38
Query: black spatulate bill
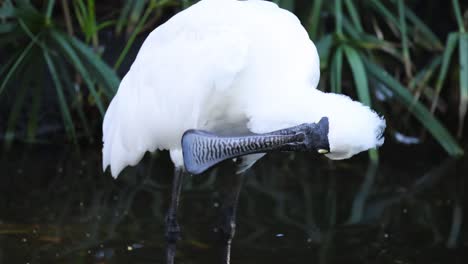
x,y
203,149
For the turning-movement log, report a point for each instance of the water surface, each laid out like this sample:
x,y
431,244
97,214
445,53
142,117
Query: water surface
x,y
56,206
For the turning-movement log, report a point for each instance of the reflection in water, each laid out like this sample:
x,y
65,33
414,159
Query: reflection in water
x,y
57,207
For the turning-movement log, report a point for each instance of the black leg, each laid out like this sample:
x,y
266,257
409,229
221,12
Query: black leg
x,y
230,190
172,232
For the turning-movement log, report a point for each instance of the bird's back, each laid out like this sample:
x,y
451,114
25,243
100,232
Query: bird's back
x,y
218,64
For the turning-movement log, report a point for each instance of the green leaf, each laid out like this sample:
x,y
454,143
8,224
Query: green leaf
x,y
66,115
15,112
369,42
404,37
458,15
91,13
324,46
419,83
76,96
287,4
104,25
314,18
374,155
124,14
6,65
132,37
103,72
423,76
80,11
354,15
6,10
463,53
50,7
17,63
449,48
359,75
187,3
336,69
137,12
6,27
34,108
419,25
27,30
27,12
339,17
352,31
438,131
77,63
386,14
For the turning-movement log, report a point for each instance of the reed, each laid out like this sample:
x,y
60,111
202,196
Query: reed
x,y
380,52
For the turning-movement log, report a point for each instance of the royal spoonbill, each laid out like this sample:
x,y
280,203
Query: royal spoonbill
x,y
237,77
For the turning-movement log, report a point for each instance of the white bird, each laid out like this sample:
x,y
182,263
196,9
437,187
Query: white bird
x,y
228,66
223,65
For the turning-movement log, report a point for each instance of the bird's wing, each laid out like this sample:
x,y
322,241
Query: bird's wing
x,y
178,69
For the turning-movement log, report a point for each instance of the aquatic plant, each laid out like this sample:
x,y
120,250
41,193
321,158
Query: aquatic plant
x,y
370,38
384,53
39,54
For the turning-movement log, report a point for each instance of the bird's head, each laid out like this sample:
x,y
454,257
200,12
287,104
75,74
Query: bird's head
x,y
353,127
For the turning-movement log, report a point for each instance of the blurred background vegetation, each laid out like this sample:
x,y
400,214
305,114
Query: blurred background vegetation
x,y
61,62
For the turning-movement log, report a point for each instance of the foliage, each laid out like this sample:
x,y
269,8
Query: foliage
x,y
381,52
137,16
40,54
398,37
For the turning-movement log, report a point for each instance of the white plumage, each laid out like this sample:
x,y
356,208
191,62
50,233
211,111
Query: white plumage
x,y
227,65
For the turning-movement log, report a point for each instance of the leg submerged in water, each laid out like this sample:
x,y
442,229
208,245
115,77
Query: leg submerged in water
x,y
230,187
172,232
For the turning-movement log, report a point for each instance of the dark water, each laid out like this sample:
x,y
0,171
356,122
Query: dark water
x,y
57,207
